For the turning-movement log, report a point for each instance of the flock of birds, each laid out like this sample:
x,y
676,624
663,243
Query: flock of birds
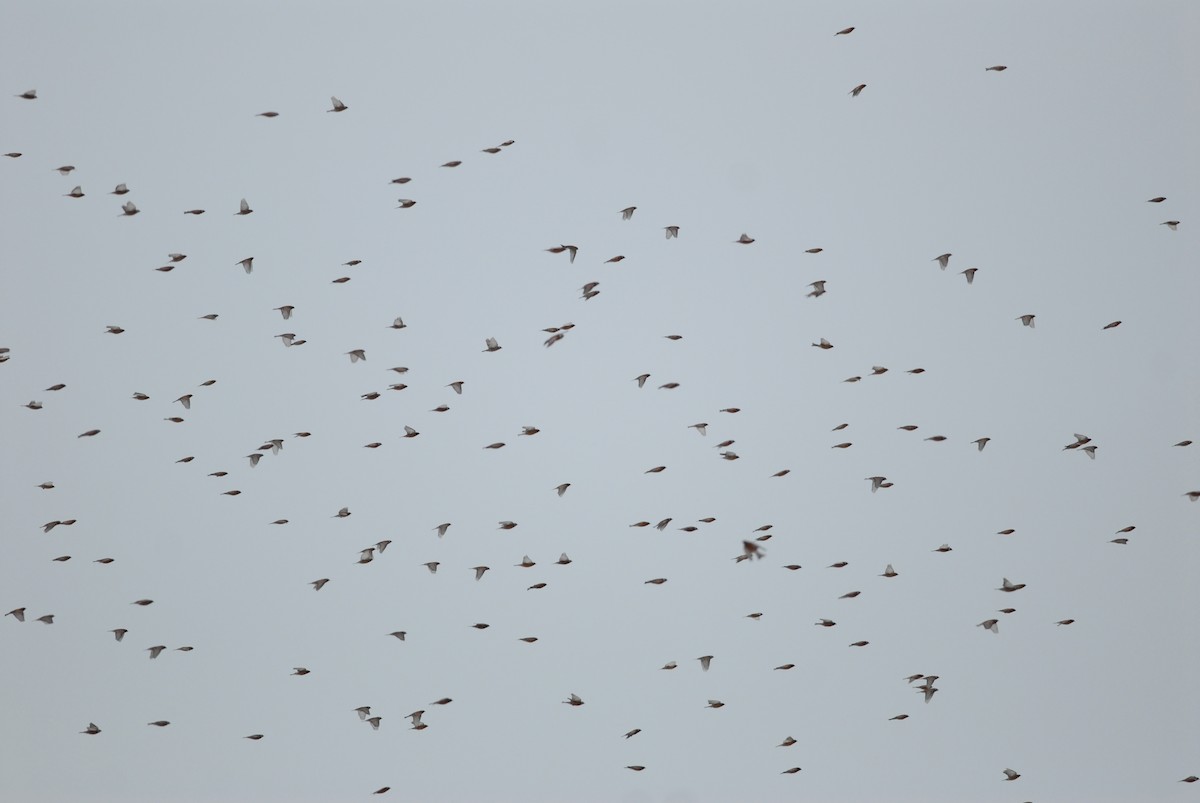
x,y
750,549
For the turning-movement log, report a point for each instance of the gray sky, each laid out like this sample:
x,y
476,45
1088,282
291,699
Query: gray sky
x,y
720,120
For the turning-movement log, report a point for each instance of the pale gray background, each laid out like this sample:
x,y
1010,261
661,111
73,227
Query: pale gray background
x,y
719,119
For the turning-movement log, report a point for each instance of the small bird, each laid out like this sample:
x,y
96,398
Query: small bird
x,y
248,266
479,570
860,644
672,232
990,624
818,289
338,106
160,723
1090,450
655,470
574,699
562,489
243,208
745,239
319,584
155,651
656,581
398,324
129,209
496,445
876,483
19,615
785,667
845,31
194,212
823,344
75,193
996,68
825,623
943,260
1009,586
91,729
715,704
627,212
1189,779
944,548
454,163
1011,775
492,345
48,619
1065,622
981,442
970,274
791,771
857,90
1112,325
669,665
299,670
356,355
641,380
1173,225
374,722
65,170
787,742
889,572
705,662
31,94
1027,320
633,733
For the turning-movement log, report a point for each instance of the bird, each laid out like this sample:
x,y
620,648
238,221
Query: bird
x,y
356,355
456,386
129,209
338,106
19,615
319,584
91,729
791,771
31,94
574,700
492,345
1011,775
398,324
77,192
633,733
1009,586
668,665
970,274
715,704
453,163
996,68
159,723
1173,225
981,442
243,208
248,266
672,232
155,651
845,31
442,528
857,90
823,344
818,289
562,489
479,570
48,619
641,379
943,260
990,624
1062,622
1027,320
705,662
656,581
627,212
944,548
1112,325
787,742
374,722
299,670
745,239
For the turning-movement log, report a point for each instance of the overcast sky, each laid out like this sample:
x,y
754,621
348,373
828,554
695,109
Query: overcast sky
x,y
718,119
